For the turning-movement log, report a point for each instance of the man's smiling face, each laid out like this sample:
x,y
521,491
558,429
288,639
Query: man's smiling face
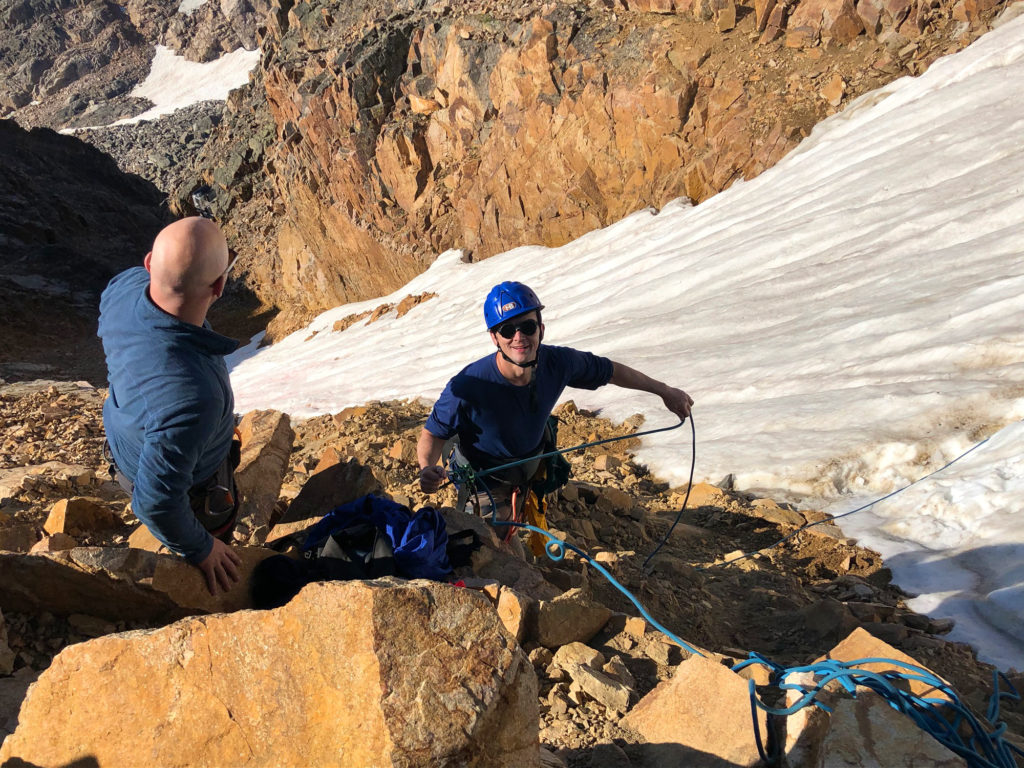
x,y
520,347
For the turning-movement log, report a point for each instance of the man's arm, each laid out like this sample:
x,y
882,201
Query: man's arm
x,y
675,399
160,500
428,454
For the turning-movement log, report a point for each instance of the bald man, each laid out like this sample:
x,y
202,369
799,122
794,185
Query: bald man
x,y
169,415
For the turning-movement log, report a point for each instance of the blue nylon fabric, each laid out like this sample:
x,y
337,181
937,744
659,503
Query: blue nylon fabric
x,y
169,415
419,540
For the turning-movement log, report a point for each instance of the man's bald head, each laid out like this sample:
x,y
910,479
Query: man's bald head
x,y
187,267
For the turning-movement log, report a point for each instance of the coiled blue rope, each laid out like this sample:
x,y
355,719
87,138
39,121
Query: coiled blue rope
x,y
942,715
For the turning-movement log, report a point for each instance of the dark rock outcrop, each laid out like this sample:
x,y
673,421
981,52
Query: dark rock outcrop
x,y
69,221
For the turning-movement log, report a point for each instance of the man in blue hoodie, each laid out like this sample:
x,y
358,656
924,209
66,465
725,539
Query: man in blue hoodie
x,y
169,415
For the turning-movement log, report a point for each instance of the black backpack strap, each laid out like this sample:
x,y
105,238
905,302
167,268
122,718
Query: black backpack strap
x,y
360,551
461,546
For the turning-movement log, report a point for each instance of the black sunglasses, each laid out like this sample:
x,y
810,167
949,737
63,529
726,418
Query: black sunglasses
x,y
508,330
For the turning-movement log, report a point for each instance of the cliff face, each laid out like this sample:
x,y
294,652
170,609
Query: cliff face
x,y
371,141
373,137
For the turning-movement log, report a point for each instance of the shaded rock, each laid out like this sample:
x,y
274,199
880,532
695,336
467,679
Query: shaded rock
x,y
12,694
330,487
609,756
568,618
6,654
610,693
705,707
73,250
887,632
661,652
828,619
616,499
117,584
17,537
267,438
335,666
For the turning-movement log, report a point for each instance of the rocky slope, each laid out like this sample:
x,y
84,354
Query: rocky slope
x,y
372,138
791,602
69,64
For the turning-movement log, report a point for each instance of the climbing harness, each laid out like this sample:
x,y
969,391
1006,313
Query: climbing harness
x,y
464,476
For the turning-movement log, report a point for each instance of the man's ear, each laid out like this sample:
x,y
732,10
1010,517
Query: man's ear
x,y
494,337
218,286
541,333
146,262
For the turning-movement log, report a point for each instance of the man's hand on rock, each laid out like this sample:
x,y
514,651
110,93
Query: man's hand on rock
x,y
220,567
431,478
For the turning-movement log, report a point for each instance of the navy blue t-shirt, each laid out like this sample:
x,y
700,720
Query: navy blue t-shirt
x,y
501,421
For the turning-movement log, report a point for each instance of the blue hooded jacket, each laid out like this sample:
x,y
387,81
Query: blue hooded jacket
x,y
169,415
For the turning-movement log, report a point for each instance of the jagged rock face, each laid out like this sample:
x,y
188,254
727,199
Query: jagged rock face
x,y
390,135
54,43
70,221
483,132
214,28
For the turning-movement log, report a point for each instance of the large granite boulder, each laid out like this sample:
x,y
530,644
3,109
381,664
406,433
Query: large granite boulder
x,y
383,673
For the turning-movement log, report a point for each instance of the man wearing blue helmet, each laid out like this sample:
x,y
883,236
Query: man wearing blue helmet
x,y
498,406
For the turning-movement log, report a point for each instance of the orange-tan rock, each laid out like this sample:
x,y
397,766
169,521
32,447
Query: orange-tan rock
x,y
77,516
346,674
699,717
267,438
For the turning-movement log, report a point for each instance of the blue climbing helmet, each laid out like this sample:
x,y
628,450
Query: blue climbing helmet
x,y
507,300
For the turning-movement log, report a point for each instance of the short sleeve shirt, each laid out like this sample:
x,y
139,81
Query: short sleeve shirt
x,y
499,421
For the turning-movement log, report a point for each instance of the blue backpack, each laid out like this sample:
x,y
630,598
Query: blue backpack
x,y
367,538
418,542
